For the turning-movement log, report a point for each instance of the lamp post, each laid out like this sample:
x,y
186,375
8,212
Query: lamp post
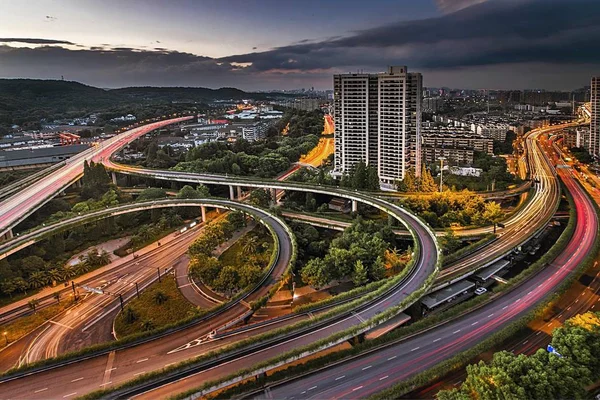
x,y
441,173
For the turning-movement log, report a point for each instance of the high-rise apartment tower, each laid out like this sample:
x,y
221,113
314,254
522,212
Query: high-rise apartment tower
x,y
378,120
594,138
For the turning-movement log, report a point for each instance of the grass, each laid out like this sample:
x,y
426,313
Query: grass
x,y
24,325
174,309
234,255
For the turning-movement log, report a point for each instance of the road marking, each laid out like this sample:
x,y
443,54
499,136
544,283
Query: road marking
x,y
384,377
367,367
314,387
182,286
416,348
340,377
525,342
357,388
107,383
303,392
568,308
490,316
392,357
518,300
577,301
437,340
505,307
538,333
112,369
142,360
59,324
166,365
475,323
40,390
455,332
139,373
69,395
78,379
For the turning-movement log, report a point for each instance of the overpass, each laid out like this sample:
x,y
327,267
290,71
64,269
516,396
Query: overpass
x,y
20,205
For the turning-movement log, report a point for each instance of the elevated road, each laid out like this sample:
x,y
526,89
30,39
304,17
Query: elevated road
x,y
380,369
20,205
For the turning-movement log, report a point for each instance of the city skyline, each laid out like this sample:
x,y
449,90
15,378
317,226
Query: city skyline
x,y
472,44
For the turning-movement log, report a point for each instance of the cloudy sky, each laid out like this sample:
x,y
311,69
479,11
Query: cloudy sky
x,y
271,44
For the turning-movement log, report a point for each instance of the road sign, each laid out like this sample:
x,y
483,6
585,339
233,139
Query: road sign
x,y
552,350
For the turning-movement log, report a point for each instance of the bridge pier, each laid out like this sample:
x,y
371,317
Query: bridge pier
x,y
354,206
239,192
8,235
231,194
203,209
114,177
273,197
357,340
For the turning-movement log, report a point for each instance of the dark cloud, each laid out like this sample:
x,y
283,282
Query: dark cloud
x,y
513,41
493,32
34,41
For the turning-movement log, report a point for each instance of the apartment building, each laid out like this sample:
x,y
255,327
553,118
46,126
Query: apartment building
x,y
378,120
458,149
594,138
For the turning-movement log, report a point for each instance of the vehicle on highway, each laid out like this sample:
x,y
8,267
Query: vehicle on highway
x,y
479,291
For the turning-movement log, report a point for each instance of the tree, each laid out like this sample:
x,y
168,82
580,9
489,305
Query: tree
x,y
359,175
260,197
188,192
33,303
372,182
249,274
236,219
56,296
359,275
147,325
228,279
314,273
130,315
151,194
409,183
426,182
160,297
250,245
38,279
450,242
21,285
8,287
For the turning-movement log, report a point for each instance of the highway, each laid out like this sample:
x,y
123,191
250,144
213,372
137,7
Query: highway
x,y
125,363
380,369
17,207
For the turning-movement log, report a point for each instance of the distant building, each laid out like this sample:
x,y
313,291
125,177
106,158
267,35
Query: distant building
x,y
458,148
594,141
255,131
378,120
582,138
465,171
33,158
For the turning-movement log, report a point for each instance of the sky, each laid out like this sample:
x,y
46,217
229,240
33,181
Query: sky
x,y
287,44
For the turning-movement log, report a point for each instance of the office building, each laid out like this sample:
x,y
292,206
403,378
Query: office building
x,y
378,120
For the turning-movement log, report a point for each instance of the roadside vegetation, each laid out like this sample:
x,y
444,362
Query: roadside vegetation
x,y
239,267
542,375
495,174
159,305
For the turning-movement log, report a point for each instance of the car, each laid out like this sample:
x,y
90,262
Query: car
x,y
480,291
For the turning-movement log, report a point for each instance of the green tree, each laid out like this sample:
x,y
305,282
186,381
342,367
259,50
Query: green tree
x,y
372,182
250,245
450,242
426,182
228,279
160,297
152,194
130,315
359,275
33,304
260,197
314,273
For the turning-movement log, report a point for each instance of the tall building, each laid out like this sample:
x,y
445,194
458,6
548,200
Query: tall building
x,y
378,120
594,138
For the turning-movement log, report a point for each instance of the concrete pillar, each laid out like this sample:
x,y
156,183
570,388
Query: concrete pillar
x,y
114,177
203,213
354,206
8,235
273,196
239,192
231,195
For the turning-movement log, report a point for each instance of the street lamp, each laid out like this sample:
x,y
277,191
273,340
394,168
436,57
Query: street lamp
x,y
441,173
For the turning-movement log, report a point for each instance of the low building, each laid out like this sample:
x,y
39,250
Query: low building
x,y
458,148
465,171
34,158
341,205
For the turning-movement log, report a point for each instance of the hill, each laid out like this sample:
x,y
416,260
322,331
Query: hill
x,y
26,101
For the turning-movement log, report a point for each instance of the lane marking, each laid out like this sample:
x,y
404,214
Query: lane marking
x,y
538,333
59,324
40,390
107,383
367,367
455,332
112,369
314,387
416,348
437,340
139,373
69,395
525,342
78,379
357,388
340,377
142,360
505,307
392,357
490,316
384,377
